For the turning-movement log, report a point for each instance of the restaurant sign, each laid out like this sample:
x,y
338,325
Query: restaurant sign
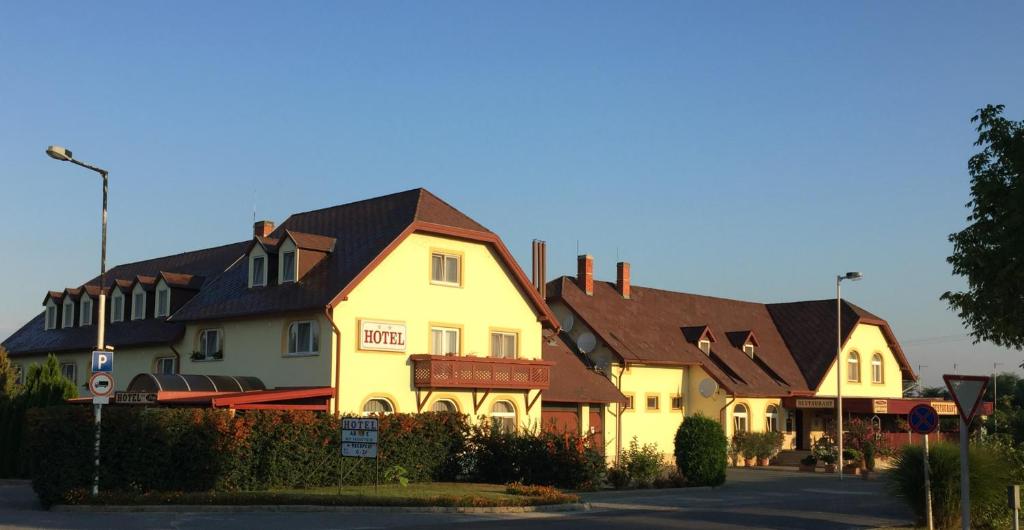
x,y
880,406
815,403
383,336
944,408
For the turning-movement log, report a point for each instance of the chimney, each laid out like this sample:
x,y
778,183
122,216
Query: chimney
x,y
262,228
622,278
540,267
585,273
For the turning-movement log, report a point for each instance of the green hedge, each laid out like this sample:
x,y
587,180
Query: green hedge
x,y
701,451
165,449
562,460
44,386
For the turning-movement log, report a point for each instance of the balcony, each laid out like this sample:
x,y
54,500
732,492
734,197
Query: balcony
x,y
444,371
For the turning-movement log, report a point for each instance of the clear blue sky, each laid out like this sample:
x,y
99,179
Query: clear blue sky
x,y
749,150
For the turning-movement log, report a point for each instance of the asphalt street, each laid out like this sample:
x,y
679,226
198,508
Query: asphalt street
x,y
750,499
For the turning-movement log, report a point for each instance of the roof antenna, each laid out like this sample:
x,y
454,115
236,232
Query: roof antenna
x,y
254,206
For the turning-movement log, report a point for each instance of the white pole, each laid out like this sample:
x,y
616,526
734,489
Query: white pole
x,y
927,486
839,375
965,480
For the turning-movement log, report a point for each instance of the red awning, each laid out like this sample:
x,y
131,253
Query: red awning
x,y
306,398
881,406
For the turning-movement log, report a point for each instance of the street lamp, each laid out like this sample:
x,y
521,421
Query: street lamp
x,y
852,276
62,154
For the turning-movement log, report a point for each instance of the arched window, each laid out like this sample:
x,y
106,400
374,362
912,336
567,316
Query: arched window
x,y
378,406
771,418
444,405
739,418
853,367
503,414
876,368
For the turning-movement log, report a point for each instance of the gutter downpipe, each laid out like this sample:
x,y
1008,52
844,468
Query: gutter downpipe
x,y
337,361
721,414
177,356
618,420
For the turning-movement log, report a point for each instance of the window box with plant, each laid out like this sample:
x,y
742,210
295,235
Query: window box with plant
x,y
210,346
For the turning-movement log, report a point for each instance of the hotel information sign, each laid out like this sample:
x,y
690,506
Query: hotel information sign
x,y
359,437
383,336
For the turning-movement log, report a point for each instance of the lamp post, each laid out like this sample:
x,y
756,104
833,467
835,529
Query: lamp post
x,y
852,276
64,155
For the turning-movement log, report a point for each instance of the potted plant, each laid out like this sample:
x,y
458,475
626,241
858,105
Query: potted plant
x,y
748,448
825,451
808,464
765,447
830,462
852,461
869,462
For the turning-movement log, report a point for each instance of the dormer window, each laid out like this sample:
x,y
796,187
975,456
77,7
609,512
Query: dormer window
x,y
85,319
288,266
705,346
139,304
69,314
117,307
163,302
748,349
259,271
51,316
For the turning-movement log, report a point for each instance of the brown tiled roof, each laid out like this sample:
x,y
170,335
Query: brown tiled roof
x,y
147,282
72,292
650,328
53,295
92,290
572,381
311,241
181,281
809,329
363,233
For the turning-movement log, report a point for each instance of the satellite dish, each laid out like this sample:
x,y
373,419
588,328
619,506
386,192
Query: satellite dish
x,y
564,317
587,342
708,387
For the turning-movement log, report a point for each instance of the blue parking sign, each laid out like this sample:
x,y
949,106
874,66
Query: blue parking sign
x,y
102,361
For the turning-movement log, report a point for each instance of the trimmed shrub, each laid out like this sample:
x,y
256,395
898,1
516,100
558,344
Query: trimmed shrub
x,y
991,472
701,451
562,460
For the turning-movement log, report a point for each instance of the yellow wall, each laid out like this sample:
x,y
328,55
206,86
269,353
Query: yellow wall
x,y
128,363
659,425
866,340
400,290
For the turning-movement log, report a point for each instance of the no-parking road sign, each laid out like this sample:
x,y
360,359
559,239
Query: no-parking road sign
x,y
923,419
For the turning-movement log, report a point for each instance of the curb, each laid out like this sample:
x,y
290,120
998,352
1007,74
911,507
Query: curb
x,y
205,508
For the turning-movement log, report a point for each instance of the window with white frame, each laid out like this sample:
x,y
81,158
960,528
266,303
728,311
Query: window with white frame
x,y
704,345
85,316
210,344
69,314
163,302
853,367
503,345
377,406
117,307
51,316
303,337
503,415
139,305
288,266
444,341
445,268
771,418
876,368
444,405
748,349
165,365
259,271
739,418
69,371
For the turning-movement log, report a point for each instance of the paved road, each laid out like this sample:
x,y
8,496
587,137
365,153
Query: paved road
x,y
751,499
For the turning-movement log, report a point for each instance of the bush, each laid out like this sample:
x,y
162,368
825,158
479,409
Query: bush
x,y
700,452
44,386
809,460
186,450
642,462
990,474
562,460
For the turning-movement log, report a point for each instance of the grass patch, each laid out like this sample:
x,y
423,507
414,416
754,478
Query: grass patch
x,y
416,495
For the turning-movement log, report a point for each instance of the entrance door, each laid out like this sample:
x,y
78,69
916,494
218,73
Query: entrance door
x,y
560,419
801,436
597,426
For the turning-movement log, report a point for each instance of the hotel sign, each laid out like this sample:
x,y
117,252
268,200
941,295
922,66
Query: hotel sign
x,y
944,408
382,336
815,403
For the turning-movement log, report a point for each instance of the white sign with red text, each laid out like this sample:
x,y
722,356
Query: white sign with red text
x,y
384,336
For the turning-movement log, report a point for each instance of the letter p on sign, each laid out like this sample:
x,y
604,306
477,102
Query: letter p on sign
x,y
102,361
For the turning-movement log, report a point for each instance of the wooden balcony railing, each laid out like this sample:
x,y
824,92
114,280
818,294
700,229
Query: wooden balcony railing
x,y
450,371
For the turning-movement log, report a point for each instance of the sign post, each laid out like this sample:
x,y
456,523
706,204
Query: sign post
x,y
924,419
101,385
1013,494
967,391
359,437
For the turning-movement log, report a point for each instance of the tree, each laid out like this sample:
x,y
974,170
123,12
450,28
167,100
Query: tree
x,y
989,253
44,386
934,392
701,451
8,374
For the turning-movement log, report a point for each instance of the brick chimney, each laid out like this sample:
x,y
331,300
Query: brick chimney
x,y
585,273
540,267
622,278
262,228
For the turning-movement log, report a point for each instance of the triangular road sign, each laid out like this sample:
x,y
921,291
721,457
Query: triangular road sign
x,y
967,391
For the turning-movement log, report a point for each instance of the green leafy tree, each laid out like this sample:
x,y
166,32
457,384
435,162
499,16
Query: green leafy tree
x,y
989,253
8,374
44,386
